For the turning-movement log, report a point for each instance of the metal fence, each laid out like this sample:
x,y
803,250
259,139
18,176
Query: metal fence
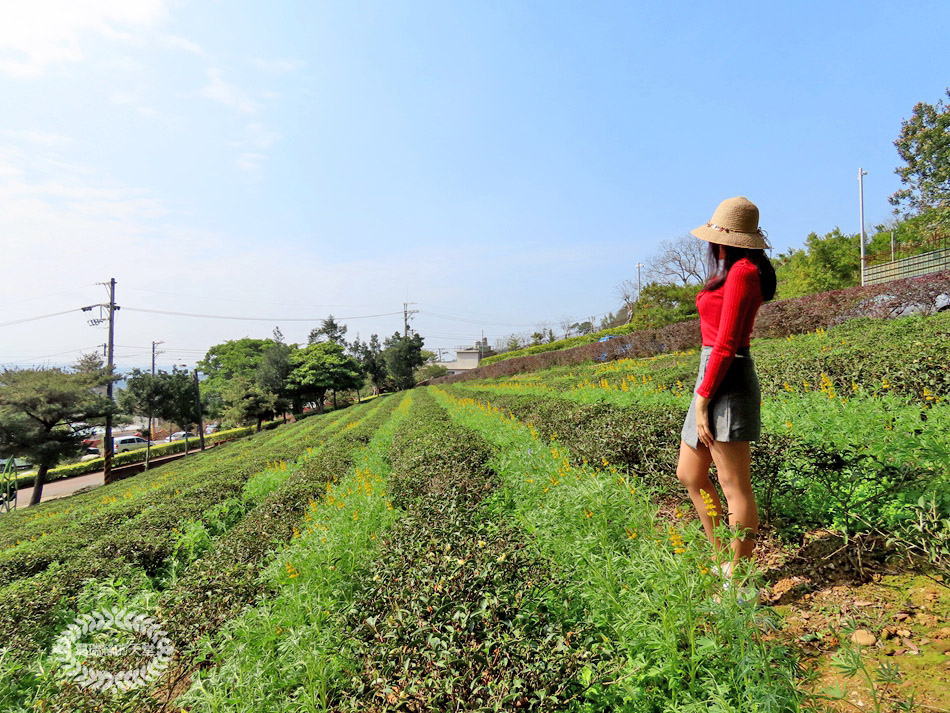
x,y
923,263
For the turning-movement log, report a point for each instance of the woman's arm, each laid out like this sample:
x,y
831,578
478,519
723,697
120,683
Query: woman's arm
x,y
739,292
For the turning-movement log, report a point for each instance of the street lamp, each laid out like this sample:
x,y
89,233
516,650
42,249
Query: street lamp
x,y
861,174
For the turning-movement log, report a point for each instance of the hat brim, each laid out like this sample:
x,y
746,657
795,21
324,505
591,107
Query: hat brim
x,y
754,241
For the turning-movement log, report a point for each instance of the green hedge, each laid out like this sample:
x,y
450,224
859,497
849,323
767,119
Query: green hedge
x,y
137,456
561,344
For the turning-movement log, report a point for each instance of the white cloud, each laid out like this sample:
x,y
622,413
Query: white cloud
x,y
277,66
260,137
37,33
249,161
182,43
229,95
124,98
38,137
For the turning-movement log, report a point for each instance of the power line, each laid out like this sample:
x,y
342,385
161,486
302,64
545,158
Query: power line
x,y
42,316
489,323
253,319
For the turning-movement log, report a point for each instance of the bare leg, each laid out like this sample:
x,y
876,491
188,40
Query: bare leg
x,y
693,472
733,464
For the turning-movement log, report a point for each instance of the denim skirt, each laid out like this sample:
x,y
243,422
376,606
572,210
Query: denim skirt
x,y
735,408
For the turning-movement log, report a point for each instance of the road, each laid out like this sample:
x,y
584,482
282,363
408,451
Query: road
x,y
68,486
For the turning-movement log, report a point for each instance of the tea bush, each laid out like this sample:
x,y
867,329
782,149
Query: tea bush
x,y
458,610
126,529
287,649
646,585
780,318
219,584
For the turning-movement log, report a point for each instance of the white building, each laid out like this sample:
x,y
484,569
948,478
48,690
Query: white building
x,y
468,357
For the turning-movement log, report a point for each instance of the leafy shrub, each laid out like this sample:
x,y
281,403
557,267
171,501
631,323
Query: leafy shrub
x,y
780,318
457,611
127,529
217,586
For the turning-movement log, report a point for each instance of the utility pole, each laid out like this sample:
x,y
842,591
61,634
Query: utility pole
x,y
154,353
148,447
109,353
406,313
201,425
639,265
861,174
110,363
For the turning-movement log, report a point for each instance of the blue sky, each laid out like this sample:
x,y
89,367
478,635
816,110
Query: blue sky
x,y
503,163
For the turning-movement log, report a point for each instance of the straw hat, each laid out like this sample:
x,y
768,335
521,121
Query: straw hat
x,y
735,222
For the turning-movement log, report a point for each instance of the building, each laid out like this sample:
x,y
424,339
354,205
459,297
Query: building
x,y
468,357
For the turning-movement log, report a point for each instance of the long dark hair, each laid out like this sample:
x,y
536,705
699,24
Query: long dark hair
x,y
718,269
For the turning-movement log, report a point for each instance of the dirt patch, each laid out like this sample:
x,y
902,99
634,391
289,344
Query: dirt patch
x,y
826,589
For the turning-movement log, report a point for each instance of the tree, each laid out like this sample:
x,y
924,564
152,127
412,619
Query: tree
x,y
170,395
431,371
663,304
247,402
274,369
828,262
681,261
514,341
370,356
144,394
319,368
924,146
89,363
237,357
329,330
45,414
627,292
403,354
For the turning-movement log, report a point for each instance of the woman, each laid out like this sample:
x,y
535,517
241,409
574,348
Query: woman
x,y
724,414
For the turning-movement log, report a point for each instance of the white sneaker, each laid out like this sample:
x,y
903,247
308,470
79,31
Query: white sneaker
x,y
723,571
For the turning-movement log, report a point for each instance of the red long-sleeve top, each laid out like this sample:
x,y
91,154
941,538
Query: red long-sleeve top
x,y
726,316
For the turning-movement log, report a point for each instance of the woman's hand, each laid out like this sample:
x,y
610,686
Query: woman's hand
x,y
702,421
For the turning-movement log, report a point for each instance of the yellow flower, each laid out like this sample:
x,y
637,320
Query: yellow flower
x,y
631,534
708,501
588,513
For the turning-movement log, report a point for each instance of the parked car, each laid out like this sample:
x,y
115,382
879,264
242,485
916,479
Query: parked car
x,y
90,454
18,463
178,435
127,443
